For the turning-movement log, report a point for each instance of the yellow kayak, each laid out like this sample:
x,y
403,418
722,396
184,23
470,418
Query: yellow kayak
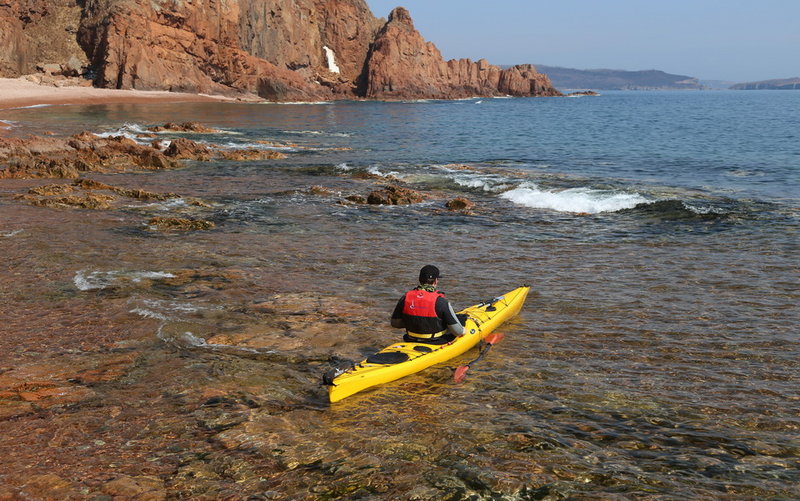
x,y
402,358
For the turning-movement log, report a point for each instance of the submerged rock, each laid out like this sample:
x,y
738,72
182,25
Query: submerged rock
x,y
94,201
460,204
321,191
52,189
356,199
141,487
252,154
60,195
195,127
179,224
47,486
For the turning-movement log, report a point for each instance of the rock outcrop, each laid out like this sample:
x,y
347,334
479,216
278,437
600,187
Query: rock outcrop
x,y
69,158
281,50
402,65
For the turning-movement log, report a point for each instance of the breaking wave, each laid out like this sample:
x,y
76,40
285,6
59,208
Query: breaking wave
x,y
316,133
129,130
576,200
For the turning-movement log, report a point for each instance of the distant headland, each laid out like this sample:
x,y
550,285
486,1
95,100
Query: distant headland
x,y
776,84
604,79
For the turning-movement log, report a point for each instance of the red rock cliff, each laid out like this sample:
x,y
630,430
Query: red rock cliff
x,y
403,65
279,49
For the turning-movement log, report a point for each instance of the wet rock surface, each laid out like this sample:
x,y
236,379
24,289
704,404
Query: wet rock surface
x,y
83,154
179,224
460,204
394,195
70,158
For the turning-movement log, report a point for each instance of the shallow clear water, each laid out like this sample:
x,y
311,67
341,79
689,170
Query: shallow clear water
x,y
656,358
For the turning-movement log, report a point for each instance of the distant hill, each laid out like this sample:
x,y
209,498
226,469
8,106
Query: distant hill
x,y
777,84
717,84
601,79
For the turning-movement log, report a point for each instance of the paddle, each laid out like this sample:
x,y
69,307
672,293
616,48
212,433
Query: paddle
x,y
491,340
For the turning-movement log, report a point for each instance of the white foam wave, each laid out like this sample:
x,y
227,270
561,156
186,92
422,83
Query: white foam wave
x,y
576,200
253,146
703,210
297,102
375,171
130,131
473,179
169,205
97,280
343,167
172,306
32,106
137,277
149,314
11,233
163,310
126,128
189,339
485,184
317,133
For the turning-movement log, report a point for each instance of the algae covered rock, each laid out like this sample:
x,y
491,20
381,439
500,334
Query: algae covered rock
x,y
179,224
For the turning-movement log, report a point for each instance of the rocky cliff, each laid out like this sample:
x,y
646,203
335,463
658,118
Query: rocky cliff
x,y
278,49
36,32
401,64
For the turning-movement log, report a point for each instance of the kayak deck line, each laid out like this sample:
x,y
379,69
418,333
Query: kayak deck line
x,y
404,358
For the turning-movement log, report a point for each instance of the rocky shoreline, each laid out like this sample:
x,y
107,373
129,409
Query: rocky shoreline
x,y
77,156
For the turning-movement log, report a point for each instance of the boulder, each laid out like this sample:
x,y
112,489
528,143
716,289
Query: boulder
x,y
460,204
187,149
394,195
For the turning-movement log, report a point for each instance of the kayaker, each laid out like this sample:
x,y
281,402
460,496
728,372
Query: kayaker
x,y
425,313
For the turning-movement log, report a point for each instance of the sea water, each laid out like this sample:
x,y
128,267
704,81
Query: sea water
x,y
656,357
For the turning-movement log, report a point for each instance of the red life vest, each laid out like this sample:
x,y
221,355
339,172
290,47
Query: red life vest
x,y
419,313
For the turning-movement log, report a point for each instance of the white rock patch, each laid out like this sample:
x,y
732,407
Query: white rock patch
x,y
331,57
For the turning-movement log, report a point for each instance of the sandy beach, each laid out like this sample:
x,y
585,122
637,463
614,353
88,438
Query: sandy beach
x,y
19,92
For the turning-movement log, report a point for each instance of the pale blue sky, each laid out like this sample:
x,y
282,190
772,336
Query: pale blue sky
x,y
735,40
